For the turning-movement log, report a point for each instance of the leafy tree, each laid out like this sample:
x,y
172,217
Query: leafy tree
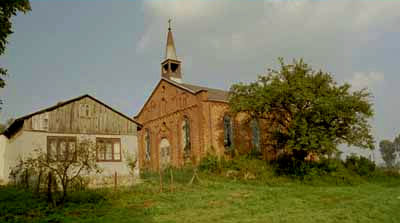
x,y
74,164
388,152
306,110
8,9
389,149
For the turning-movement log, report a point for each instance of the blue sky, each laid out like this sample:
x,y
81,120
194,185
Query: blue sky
x,y
112,49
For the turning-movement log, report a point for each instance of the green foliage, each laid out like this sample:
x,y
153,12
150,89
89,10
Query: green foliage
x,y
227,199
388,150
209,163
359,164
51,174
306,109
16,204
8,9
86,196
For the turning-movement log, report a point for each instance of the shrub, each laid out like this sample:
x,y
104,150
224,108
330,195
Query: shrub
x,y
209,163
287,164
86,196
360,165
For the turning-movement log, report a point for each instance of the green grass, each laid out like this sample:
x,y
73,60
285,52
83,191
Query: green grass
x,y
217,199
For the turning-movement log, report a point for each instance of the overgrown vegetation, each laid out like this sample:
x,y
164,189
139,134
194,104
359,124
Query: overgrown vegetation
x,y
8,9
51,171
228,193
389,150
306,110
327,171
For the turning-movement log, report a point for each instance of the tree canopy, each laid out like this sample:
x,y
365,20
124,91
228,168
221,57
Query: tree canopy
x,y
306,109
389,149
8,9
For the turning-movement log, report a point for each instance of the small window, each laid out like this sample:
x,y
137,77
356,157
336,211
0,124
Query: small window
x,y
147,144
45,121
40,122
108,149
61,148
84,110
228,132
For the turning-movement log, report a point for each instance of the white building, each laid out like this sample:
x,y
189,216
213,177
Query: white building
x,y
59,128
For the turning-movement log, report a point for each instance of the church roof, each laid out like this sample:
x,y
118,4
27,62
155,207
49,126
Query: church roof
x,y
213,94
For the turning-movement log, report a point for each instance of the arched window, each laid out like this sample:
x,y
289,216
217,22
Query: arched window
x,y
186,143
228,132
255,130
147,144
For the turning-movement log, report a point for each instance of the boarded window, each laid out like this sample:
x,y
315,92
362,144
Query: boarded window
x,y
108,149
147,144
228,132
186,138
61,148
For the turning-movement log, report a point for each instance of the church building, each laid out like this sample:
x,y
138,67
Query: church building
x,y
183,122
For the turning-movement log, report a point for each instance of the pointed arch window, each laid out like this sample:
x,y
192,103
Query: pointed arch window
x,y
186,142
147,144
255,130
228,132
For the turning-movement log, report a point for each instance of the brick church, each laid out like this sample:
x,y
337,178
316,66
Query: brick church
x,y
183,122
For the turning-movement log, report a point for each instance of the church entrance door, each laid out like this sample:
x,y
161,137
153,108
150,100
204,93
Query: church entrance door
x,y
165,153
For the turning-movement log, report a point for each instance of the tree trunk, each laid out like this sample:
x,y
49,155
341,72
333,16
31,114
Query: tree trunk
x,y
39,181
50,198
65,189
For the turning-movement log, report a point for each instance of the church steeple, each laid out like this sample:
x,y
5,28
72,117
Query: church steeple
x,y
171,66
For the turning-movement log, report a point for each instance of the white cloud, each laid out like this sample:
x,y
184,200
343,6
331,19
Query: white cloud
x,y
366,79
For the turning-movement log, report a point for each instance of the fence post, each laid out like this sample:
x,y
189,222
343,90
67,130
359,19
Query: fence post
x,y
115,181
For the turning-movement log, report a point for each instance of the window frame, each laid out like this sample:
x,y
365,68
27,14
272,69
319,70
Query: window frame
x,y
84,110
186,137
113,141
255,130
147,141
59,139
228,135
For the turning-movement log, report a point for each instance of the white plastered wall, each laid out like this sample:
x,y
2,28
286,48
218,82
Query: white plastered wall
x,y
3,143
23,144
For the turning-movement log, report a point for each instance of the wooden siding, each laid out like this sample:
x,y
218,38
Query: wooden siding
x,y
69,119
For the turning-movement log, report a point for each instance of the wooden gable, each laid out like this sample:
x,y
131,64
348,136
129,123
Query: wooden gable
x,y
85,115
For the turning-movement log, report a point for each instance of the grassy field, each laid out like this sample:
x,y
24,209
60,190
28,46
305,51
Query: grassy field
x,y
215,199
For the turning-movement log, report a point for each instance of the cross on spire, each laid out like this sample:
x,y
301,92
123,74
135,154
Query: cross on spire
x,y
169,24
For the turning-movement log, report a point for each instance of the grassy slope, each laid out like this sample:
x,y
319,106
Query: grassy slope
x,y
223,200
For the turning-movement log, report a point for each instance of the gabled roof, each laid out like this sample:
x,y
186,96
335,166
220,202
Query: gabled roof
x,y
213,94
17,123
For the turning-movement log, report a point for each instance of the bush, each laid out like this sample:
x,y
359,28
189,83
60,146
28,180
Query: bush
x,y
209,163
86,197
360,165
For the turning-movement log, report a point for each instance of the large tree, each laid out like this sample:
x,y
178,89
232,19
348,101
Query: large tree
x,y
306,110
8,9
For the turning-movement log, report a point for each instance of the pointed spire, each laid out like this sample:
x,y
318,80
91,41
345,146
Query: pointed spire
x,y
170,52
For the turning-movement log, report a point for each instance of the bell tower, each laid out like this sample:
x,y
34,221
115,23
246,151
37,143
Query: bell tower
x,y
171,66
